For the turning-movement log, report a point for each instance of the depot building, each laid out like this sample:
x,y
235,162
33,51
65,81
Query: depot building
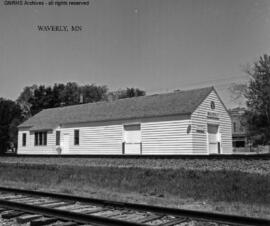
x,y
191,122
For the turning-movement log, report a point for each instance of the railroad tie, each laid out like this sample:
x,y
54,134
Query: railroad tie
x,y
150,218
27,218
130,217
3,210
69,223
70,207
56,204
10,196
95,210
87,225
12,214
174,222
87,210
43,221
18,198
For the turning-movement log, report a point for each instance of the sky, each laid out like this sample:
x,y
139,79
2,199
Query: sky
x,y
155,45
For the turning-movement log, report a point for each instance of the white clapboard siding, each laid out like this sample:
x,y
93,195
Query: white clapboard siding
x,y
30,147
96,139
167,137
199,118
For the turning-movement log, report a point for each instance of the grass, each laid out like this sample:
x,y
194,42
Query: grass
x,y
233,191
219,185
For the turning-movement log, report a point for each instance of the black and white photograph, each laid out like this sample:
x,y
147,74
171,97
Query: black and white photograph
x,y
134,112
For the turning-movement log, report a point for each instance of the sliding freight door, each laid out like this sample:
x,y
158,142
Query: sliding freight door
x,y
214,145
132,139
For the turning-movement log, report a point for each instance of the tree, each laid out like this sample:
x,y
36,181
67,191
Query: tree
x,y
71,94
42,98
238,91
24,100
35,98
10,117
126,93
258,100
93,93
131,92
57,94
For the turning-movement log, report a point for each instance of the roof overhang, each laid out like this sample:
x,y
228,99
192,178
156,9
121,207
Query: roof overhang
x,y
141,119
40,130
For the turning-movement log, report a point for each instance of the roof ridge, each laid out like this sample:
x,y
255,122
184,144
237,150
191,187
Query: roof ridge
x,y
131,98
155,105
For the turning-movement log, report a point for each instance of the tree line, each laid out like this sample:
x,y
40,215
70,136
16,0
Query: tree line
x,y
256,92
37,97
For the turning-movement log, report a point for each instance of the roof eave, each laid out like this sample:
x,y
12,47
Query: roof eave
x,y
23,126
130,118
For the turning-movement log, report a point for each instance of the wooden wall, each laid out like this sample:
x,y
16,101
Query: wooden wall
x,y
199,120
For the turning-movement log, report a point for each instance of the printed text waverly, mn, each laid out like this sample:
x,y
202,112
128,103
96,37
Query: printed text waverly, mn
x,y
50,3
59,28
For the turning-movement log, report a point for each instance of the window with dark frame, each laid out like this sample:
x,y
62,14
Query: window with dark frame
x,y
40,138
44,138
24,139
76,137
212,105
234,127
57,137
36,139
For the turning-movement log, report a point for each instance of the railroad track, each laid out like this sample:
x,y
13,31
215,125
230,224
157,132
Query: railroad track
x,y
265,156
42,208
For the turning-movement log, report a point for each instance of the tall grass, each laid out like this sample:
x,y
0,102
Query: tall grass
x,y
219,185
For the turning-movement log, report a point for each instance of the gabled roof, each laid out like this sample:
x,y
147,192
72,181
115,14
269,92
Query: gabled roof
x,y
176,103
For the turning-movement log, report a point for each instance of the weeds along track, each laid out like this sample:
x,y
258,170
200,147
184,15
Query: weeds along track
x,y
42,208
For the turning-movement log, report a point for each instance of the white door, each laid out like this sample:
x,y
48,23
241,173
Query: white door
x,y
213,139
132,139
65,143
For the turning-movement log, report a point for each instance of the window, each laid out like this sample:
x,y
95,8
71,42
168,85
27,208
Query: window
x,y
240,144
36,139
40,138
24,139
57,138
234,127
76,137
212,105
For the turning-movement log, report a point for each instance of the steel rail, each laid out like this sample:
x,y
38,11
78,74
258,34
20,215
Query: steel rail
x,y
265,156
67,215
197,215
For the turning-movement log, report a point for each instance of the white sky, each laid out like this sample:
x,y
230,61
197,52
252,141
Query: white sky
x,y
155,45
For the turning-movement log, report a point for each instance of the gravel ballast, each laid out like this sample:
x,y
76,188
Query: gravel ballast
x,y
246,166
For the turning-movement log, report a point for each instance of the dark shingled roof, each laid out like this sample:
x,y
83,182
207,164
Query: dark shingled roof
x,y
176,103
